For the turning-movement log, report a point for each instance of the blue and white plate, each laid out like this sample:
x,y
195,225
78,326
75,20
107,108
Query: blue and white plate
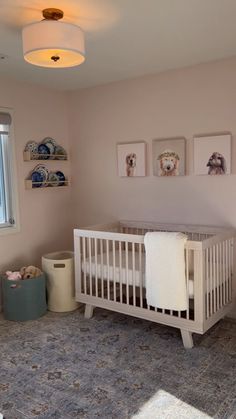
x,y
61,153
61,178
32,147
49,140
53,179
50,143
43,170
37,179
43,151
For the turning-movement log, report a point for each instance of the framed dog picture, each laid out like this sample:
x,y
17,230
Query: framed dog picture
x,y
169,157
131,159
212,155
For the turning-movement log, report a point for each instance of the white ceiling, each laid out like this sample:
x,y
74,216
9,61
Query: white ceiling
x,y
124,38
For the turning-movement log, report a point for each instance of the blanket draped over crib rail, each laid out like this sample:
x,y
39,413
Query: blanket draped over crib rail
x,y
165,270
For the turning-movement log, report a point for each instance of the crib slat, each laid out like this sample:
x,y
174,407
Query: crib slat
x,y
227,271
102,268
207,284
108,269
228,268
84,262
114,268
127,272
96,266
140,275
214,278
224,276
133,274
120,272
211,282
187,279
78,265
217,276
231,268
230,245
221,275
90,265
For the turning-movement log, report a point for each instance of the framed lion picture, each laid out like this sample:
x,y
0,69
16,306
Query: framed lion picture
x,y
169,157
131,159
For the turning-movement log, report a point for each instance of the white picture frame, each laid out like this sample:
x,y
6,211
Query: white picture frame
x,y
131,159
169,157
212,154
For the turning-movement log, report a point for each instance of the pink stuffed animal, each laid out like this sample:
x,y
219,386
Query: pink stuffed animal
x,y
13,275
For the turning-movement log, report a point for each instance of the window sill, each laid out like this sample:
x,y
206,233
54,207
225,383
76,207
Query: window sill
x,y
9,230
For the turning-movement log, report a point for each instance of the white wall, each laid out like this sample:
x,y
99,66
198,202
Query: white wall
x,y
44,222
196,100
191,101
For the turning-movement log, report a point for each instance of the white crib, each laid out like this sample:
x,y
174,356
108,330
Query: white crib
x,y
110,273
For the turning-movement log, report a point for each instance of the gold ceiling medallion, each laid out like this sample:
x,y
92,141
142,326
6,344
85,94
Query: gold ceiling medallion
x,y
52,14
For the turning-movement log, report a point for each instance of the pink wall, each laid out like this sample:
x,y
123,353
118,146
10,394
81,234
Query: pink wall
x,y
196,100
201,99
44,222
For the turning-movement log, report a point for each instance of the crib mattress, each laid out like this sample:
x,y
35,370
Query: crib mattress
x,y
134,275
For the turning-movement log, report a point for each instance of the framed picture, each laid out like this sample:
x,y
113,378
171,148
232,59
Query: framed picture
x,y
212,155
131,159
169,157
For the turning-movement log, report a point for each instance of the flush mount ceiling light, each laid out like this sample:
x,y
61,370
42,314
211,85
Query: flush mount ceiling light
x,y
52,43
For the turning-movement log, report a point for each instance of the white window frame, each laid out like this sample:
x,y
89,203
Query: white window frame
x,y
10,179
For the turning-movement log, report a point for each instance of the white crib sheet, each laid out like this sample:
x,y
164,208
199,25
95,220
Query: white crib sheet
x,y
103,269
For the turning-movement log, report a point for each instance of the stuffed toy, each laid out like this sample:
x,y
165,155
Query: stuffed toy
x,y
28,272
13,276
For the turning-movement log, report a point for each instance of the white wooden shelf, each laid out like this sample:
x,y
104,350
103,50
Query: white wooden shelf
x,y
29,156
45,185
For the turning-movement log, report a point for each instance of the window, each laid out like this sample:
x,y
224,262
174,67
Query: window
x,y
7,190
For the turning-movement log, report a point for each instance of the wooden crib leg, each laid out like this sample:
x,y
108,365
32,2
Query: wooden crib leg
x,y
187,338
88,311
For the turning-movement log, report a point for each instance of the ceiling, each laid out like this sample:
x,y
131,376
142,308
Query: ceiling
x,y
124,38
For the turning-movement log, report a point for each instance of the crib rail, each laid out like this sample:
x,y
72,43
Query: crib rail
x,y
110,273
218,255
154,226
111,269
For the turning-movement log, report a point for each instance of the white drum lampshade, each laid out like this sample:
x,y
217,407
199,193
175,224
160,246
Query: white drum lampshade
x,y
54,44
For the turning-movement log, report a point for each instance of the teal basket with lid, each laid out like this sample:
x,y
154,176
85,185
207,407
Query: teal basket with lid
x,y
24,299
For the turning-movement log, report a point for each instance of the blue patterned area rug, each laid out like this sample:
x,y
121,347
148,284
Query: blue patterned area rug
x,y
114,366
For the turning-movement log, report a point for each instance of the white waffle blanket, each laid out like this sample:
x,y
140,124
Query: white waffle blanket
x,y
165,270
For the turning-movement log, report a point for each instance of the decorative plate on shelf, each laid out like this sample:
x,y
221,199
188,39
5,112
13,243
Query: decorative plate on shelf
x,y
51,144
32,147
60,152
53,179
40,168
43,151
61,178
37,179
47,140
